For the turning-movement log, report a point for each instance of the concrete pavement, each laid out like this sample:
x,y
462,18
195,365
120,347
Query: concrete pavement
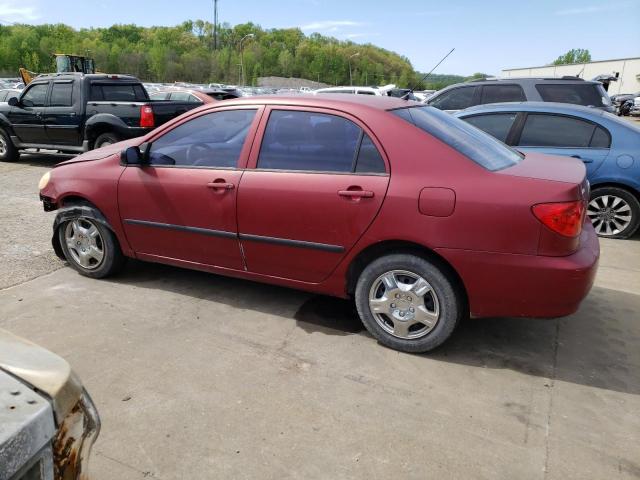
x,y
198,376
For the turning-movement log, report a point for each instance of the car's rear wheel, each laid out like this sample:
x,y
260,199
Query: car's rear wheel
x,y
407,303
8,152
105,139
90,247
614,212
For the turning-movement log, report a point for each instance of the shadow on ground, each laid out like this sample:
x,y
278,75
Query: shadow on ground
x,y
597,346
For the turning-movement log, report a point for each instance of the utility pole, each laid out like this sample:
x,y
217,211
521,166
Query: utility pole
x,y
350,77
215,24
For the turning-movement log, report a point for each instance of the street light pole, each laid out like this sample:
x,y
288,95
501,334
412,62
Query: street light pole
x,y
350,76
248,35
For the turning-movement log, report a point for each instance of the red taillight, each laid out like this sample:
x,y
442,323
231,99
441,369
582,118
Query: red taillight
x,y
565,218
146,116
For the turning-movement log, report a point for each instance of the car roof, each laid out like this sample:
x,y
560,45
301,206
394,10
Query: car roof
x,y
550,107
337,101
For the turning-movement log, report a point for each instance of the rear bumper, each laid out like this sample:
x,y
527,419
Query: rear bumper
x,y
507,285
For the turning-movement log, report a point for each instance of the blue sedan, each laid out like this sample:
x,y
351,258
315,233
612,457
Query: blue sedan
x,y
608,146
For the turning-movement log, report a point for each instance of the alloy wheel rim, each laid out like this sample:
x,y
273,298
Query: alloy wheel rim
x,y
84,242
404,304
3,145
609,214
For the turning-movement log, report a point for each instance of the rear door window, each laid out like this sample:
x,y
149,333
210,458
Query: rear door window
x,y
61,94
309,141
587,94
502,93
456,99
497,125
542,130
118,92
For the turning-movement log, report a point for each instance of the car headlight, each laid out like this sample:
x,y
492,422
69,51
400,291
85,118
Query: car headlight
x,y
44,181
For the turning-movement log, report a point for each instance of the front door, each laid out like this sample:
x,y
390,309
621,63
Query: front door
x,y
62,120
182,204
317,182
26,117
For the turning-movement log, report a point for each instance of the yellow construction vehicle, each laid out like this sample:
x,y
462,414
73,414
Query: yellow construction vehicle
x,y
65,63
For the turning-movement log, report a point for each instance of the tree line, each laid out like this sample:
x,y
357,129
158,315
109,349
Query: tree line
x,y
186,53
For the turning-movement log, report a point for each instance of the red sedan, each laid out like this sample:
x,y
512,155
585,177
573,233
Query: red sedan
x,y
418,216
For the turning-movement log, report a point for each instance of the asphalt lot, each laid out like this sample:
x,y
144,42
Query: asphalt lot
x,y
198,376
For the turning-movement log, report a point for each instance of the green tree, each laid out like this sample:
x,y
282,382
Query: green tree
x,y
575,55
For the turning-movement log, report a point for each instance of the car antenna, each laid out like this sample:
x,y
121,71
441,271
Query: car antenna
x,y
406,95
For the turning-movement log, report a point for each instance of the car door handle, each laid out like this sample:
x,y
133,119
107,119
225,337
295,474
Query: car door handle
x,y
221,185
356,193
584,160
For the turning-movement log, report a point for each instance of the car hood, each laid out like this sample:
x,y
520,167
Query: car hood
x,y
41,369
103,152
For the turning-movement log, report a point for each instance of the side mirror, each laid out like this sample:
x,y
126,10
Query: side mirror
x,y
132,156
13,102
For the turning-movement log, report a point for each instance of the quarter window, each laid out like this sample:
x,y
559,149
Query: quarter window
x,y
497,125
36,95
556,131
62,94
369,158
295,140
600,139
456,99
502,93
212,140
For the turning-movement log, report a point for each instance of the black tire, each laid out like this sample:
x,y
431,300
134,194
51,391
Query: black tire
x,y
8,151
112,261
449,299
105,139
597,211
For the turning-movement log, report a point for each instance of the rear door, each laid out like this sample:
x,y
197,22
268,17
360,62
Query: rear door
x,y
62,115
315,184
555,134
26,118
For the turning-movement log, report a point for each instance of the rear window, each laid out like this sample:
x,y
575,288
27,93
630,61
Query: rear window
x,y
483,149
587,94
118,92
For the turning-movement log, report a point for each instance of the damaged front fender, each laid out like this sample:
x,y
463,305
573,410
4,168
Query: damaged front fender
x,y
71,213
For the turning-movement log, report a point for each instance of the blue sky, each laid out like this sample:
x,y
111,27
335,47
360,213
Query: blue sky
x,y
488,36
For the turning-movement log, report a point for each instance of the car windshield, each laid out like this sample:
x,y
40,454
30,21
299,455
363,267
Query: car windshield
x,y
465,138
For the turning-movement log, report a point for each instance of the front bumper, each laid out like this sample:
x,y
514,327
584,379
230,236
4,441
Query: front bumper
x,y
509,285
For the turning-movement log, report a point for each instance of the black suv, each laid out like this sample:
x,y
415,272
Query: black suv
x,y
561,90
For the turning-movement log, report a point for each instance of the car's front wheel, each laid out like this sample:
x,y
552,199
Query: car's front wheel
x,y
90,247
614,212
407,303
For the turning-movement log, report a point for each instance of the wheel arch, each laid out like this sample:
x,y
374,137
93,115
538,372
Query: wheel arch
x,y
74,206
386,247
613,184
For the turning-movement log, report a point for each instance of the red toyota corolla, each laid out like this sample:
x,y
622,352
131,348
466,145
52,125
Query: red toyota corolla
x,y
418,216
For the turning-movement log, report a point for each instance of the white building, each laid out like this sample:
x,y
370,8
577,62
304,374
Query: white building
x,y
626,69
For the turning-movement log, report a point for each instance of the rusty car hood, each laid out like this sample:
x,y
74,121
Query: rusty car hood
x,y
42,370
